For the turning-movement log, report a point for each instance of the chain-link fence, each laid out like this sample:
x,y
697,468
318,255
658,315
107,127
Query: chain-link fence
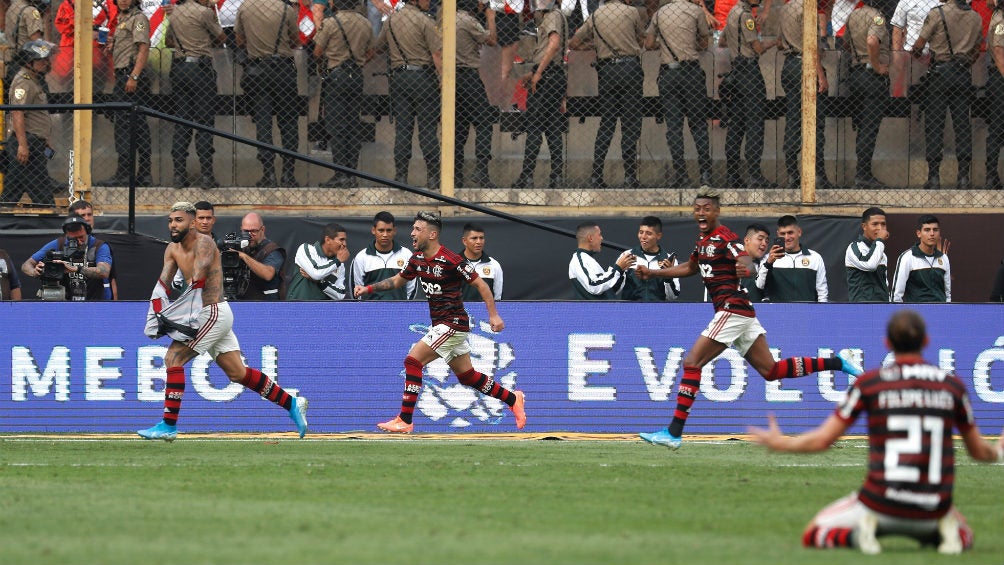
x,y
573,104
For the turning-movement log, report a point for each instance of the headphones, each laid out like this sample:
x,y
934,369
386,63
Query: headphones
x,y
72,220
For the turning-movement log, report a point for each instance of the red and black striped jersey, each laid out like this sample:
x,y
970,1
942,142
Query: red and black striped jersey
x,y
716,255
912,408
442,278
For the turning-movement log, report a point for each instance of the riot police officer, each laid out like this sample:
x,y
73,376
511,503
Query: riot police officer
x,y
194,30
953,31
416,61
791,81
995,95
745,102
546,87
615,31
267,30
473,108
28,147
343,42
867,38
680,31
130,48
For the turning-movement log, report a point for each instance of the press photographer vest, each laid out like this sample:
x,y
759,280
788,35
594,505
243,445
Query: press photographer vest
x,y
95,287
274,289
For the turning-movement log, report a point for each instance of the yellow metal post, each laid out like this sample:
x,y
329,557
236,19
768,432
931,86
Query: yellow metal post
x,y
810,54
83,77
449,94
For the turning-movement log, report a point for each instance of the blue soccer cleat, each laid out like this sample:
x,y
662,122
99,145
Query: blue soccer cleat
x,y
849,367
298,412
162,430
663,438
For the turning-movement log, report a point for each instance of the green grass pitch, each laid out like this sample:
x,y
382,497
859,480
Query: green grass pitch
x,y
420,500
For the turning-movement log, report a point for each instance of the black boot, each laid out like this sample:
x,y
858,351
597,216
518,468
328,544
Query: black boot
x,y
481,177
933,177
432,177
556,179
401,172
120,178
706,180
757,180
289,175
963,181
993,179
267,179
180,176
596,181
732,177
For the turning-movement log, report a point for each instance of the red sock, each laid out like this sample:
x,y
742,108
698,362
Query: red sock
x,y
266,387
412,388
487,385
690,385
173,392
801,366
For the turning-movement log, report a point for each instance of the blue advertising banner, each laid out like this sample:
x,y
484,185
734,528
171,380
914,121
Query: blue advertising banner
x,y
585,367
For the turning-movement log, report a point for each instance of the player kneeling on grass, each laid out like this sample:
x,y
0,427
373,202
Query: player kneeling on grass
x,y
443,274
912,408
722,261
200,321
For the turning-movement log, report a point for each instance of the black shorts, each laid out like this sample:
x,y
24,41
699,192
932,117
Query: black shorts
x,y
508,26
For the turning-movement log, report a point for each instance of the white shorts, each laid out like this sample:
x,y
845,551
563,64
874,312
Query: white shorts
x,y
734,330
846,512
216,333
447,342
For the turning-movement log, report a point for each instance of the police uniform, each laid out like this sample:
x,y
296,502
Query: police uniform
x,y
411,38
193,31
31,177
23,20
948,85
345,38
745,105
473,108
995,96
791,81
544,114
868,88
613,30
678,28
133,30
268,27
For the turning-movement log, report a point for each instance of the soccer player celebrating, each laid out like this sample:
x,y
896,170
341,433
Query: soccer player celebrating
x,y
442,274
721,260
200,321
912,408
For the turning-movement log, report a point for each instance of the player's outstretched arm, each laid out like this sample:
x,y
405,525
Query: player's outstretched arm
x,y
397,281
679,271
818,439
981,449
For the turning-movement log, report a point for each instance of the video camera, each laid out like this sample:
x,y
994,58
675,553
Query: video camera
x,y
236,274
54,273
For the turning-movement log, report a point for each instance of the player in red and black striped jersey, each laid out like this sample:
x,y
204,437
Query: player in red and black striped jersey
x,y
912,409
720,259
442,274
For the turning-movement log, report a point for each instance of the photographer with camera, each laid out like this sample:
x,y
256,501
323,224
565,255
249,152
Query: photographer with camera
x,y
262,258
74,266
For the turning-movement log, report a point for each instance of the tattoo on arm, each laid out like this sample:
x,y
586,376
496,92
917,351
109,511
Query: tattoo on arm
x,y
386,284
205,253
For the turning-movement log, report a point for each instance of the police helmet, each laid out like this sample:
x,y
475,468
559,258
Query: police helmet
x,y
36,49
542,5
73,222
